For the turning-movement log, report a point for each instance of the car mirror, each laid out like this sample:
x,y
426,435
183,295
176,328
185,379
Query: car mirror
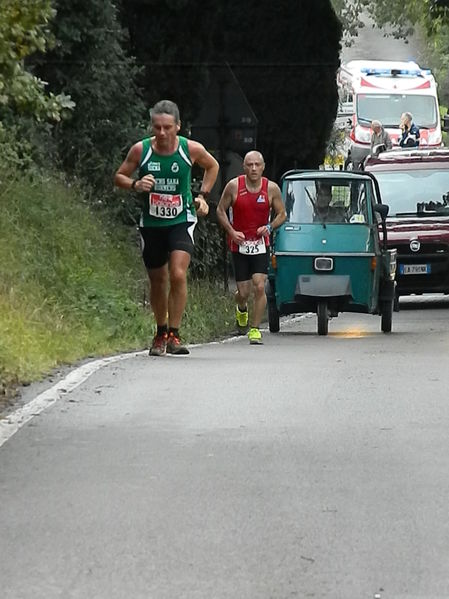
x,y
446,122
382,210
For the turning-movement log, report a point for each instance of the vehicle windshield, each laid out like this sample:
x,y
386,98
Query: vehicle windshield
x,y
327,201
387,108
415,191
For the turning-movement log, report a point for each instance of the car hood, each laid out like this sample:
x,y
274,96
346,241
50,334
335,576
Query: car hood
x,y
423,228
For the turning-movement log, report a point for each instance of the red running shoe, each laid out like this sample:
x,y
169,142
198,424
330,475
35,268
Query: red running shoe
x,y
159,345
174,346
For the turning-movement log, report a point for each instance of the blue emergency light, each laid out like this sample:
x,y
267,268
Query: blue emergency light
x,y
391,72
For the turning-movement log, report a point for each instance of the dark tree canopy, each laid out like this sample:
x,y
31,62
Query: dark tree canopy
x,y
285,57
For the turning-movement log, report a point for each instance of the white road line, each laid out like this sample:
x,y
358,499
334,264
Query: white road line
x,y
14,421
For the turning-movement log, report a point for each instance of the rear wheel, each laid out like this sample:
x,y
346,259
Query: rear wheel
x,y
386,314
273,315
322,313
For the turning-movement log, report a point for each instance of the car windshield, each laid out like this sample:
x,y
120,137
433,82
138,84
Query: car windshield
x,y
413,191
327,201
388,108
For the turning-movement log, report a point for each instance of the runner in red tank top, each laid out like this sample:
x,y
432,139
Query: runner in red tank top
x,y
250,199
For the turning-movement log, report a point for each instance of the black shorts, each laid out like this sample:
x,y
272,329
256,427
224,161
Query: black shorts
x,y
247,266
158,242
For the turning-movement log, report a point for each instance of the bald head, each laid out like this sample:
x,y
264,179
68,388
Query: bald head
x,y
253,155
253,165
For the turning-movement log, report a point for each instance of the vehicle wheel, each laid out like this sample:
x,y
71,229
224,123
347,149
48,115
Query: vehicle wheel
x,y
322,313
396,303
273,315
386,314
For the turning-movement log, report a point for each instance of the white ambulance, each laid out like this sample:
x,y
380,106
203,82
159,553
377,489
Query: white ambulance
x,y
382,90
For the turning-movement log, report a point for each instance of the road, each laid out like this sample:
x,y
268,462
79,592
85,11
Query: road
x,y
307,467
310,467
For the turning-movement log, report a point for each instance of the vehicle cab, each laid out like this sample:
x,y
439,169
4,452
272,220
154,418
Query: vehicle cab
x,y
415,185
328,256
383,90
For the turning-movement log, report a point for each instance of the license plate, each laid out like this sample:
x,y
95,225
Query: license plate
x,y
414,269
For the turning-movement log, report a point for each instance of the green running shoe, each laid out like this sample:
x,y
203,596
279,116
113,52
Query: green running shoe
x,y
241,319
255,336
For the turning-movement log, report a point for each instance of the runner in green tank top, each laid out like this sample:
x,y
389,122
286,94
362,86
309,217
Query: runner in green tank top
x,y
170,200
169,215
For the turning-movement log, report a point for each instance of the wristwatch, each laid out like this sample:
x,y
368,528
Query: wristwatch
x,y
205,194
133,184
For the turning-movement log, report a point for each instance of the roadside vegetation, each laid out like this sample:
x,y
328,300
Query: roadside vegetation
x,y
72,284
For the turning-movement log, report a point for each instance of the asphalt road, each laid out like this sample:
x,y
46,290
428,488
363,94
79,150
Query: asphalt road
x,y
307,467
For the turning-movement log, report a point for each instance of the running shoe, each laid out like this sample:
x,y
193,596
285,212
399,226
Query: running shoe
x,y
159,345
175,346
241,319
255,336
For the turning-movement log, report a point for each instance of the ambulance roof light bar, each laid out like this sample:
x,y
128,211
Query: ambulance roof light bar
x,y
395,72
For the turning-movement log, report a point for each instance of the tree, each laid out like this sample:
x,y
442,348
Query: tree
x,y
24,29
89,61
288,75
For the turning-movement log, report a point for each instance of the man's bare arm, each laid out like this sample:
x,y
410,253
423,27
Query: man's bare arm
x,y
123,178
277,205
205,160
227,199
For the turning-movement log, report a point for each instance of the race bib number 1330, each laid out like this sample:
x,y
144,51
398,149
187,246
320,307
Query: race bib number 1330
x,y
164,205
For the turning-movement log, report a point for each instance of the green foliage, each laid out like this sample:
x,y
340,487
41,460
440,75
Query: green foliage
x,y
24,29
89,60
72,285
349,15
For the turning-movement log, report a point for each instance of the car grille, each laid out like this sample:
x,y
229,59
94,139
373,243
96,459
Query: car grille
x,y
434,254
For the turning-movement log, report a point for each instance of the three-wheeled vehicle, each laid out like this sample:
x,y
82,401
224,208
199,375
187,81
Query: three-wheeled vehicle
x,y
331,255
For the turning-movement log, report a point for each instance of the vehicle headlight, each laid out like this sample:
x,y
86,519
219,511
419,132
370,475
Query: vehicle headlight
x,y
362,134
434,138
323,263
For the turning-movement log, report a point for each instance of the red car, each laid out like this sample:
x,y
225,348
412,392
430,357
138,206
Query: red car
x,y
415,185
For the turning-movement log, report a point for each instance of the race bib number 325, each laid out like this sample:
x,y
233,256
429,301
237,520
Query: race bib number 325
x,y
253,247
164,205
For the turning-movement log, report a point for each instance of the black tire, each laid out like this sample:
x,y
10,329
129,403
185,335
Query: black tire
x,y
322,313
396,303
273,315
386,315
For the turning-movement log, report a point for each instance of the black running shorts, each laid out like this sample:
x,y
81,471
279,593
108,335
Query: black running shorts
x,y
158,242
247,266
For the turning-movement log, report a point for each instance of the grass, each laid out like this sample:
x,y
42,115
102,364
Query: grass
x,y
73,286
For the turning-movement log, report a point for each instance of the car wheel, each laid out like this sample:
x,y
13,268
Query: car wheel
x,y
386,315
322,313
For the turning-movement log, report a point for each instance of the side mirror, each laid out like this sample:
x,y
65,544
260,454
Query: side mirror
x,y
382,210
446,123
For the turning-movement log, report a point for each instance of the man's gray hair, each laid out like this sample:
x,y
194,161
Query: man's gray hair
x,y
166,107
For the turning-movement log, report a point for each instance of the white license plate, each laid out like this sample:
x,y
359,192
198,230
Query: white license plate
x,y
414,269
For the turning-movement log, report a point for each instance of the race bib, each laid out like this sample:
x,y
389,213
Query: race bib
x,y
164,205
253,247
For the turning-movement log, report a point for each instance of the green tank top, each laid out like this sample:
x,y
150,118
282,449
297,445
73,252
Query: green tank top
x,y
170,202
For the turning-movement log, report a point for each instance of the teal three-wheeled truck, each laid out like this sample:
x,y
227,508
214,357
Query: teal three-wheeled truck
x,y
330,255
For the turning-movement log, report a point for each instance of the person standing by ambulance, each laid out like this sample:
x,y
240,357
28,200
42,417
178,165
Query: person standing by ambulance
x,y
250,200
164,163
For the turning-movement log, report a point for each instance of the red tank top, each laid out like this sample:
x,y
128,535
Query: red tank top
x,y
250,211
